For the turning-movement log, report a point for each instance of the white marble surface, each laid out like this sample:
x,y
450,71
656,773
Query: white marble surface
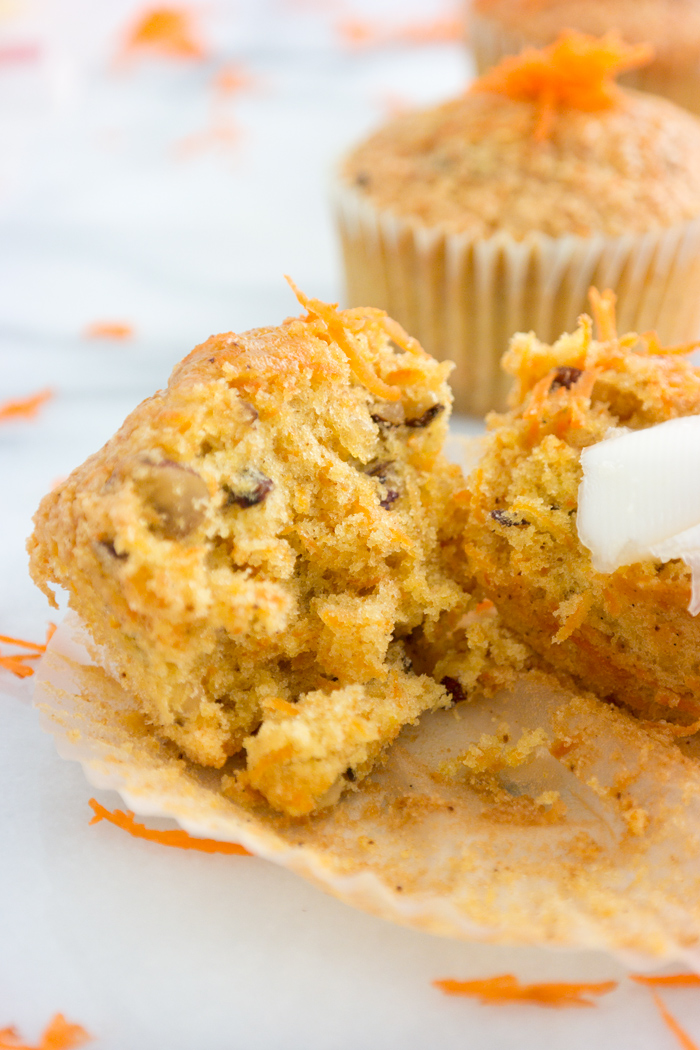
x,y
99,220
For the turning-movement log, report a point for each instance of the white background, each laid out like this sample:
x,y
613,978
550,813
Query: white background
x,y
102,218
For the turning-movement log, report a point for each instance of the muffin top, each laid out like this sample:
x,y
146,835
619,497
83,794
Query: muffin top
x,y
545,141
672,25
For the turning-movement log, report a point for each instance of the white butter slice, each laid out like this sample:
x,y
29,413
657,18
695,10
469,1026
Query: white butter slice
x,y
640,497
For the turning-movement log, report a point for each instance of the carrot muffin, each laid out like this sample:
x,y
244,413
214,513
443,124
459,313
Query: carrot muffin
x,y
494,212
259,544
627,634
672,27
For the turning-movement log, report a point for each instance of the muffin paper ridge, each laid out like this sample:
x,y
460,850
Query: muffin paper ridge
x,y
479,878
464,297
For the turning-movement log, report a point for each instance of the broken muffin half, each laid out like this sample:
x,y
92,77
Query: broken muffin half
x,y
626,634
259,545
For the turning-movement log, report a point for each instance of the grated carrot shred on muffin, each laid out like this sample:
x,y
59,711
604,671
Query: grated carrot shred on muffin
x,y
575,72
345,335
506,988
176,838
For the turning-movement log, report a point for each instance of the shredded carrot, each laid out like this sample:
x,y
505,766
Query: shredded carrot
x,y
231,79
603,307
108,330
281,705
682,1036
24,645
668,980
16,662
575,72
58,1035
507,989
333,321
167,31
654,347
177,838
24,407
361,33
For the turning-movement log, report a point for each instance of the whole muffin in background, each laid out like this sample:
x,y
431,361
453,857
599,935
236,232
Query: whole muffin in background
x,y
494,212
505,27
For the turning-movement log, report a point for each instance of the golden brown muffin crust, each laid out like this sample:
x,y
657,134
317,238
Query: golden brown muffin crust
x,y
472,165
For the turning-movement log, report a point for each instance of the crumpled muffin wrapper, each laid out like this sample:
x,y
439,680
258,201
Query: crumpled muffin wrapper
x,y
676,77
620,871
463,297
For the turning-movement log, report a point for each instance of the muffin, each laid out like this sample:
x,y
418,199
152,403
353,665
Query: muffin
x,y
494,212
627,634
505,27
260,546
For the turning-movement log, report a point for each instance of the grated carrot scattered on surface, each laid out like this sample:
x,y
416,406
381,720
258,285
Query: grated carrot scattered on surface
x,y
58,1035
222,129
575,72
24,407
177,838
361,33
681,1035
108,330
16,662
506,988
170,32
669,980
230,79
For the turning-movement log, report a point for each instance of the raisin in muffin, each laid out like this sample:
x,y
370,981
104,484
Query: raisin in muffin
x,y
257,546
628,634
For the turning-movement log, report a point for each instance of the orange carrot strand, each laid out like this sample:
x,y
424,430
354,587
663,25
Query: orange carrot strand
x,y
506,988
58,1035
575,72
603,307
669,980
20,641
681,1035
15,665
179,839
108,330
24,407
167,31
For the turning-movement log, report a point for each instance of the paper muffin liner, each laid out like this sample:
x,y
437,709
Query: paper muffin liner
x,y
677,81
615,867
463,297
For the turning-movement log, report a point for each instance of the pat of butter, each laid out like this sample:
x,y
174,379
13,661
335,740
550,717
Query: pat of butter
x,y
640,497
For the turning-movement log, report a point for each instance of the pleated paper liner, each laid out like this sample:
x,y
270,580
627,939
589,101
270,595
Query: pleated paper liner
x,y
596,848
678,81
463,298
